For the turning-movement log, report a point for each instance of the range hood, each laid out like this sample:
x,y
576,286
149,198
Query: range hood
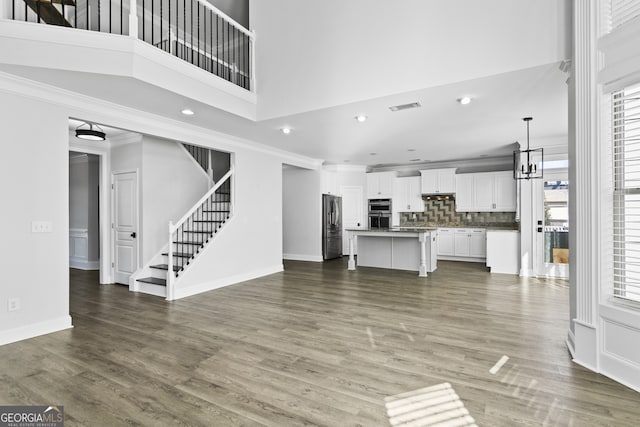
x,y
438,196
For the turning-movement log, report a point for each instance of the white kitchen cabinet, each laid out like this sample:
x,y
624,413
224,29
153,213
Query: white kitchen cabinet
x,y
438,181
486,192
463,243
445,242
380,185
503,251
464,193
329,183
504,188
408,197
478,243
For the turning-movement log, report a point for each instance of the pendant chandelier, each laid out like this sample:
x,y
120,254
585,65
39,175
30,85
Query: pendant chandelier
x,y
527,164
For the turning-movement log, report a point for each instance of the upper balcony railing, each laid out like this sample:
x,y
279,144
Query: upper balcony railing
x,y
193,30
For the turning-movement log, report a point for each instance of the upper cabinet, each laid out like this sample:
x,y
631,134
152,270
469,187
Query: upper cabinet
x,y
438,181
486,192
408,196
329,182
380,185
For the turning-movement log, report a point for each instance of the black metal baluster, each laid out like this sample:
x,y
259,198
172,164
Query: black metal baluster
x,y
249,69
211,38
144,34
110,32
191,29
38,11
153,19
217,47
99,15
184,29
228,49
121,19
169,24
64,17
198,50
161,41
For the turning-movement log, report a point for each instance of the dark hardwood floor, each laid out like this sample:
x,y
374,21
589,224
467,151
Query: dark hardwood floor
x,y
319,345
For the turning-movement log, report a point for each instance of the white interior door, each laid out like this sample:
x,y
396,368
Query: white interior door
x,y
125,225
352,212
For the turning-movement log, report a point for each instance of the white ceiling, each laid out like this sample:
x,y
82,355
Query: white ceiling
x,y
507,59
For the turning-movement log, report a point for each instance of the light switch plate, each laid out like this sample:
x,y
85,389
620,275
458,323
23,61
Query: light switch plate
x,y
41,226
13,304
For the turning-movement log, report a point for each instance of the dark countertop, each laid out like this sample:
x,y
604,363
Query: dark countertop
x,y
487,226
394,230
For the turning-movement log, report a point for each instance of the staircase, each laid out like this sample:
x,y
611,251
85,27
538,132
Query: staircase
x,y
187,238
51,11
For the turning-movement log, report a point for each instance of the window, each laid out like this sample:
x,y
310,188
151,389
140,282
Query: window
x,y
626,203
623,11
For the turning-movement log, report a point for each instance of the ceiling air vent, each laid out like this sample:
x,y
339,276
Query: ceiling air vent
x,y
404,106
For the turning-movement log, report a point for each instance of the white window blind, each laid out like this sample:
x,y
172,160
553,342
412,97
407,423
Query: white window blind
x,y
626,203
623,11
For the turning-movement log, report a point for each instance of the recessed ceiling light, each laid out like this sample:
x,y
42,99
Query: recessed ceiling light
x,y
414,160
187,112
464,100
373,154
286,130
411,149
347,161
361,118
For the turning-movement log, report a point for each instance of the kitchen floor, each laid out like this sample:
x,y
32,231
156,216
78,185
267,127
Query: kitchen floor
x,y
319,345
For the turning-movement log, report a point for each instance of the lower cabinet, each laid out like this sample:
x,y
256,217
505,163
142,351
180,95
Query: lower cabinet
x,y
462,243
445,242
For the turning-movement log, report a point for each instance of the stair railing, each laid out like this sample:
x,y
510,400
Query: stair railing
x,y
192,30
196,228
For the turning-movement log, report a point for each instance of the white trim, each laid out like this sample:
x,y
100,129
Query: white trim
x,y
150,288
35,329
345,168
571,344
302,257
226,281
83,264
586,345
124,139
104,163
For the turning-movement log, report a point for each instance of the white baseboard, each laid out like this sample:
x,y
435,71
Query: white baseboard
x,y
35,329
461,258
571,343
302,257
83,264
227,281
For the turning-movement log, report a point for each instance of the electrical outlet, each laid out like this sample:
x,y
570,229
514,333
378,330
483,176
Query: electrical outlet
x,y
13,304
41,227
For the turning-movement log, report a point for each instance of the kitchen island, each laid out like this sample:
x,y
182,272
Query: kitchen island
x,y
411,249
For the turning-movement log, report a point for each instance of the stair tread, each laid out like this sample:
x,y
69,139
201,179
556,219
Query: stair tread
x,y
183,242
153,281
204,220
197,231
179,254
165,267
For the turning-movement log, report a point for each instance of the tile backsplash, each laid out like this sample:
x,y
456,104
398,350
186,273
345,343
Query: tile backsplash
x,y
443,213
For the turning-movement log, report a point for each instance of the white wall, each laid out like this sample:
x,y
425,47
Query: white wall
x,y
238,10
34,181
334,52
250,244
171,183
302,214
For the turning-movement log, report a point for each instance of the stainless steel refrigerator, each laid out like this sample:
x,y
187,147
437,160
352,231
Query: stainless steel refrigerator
x,y
331,226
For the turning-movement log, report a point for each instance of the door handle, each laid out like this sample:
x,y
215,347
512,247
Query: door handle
x,y
133,234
